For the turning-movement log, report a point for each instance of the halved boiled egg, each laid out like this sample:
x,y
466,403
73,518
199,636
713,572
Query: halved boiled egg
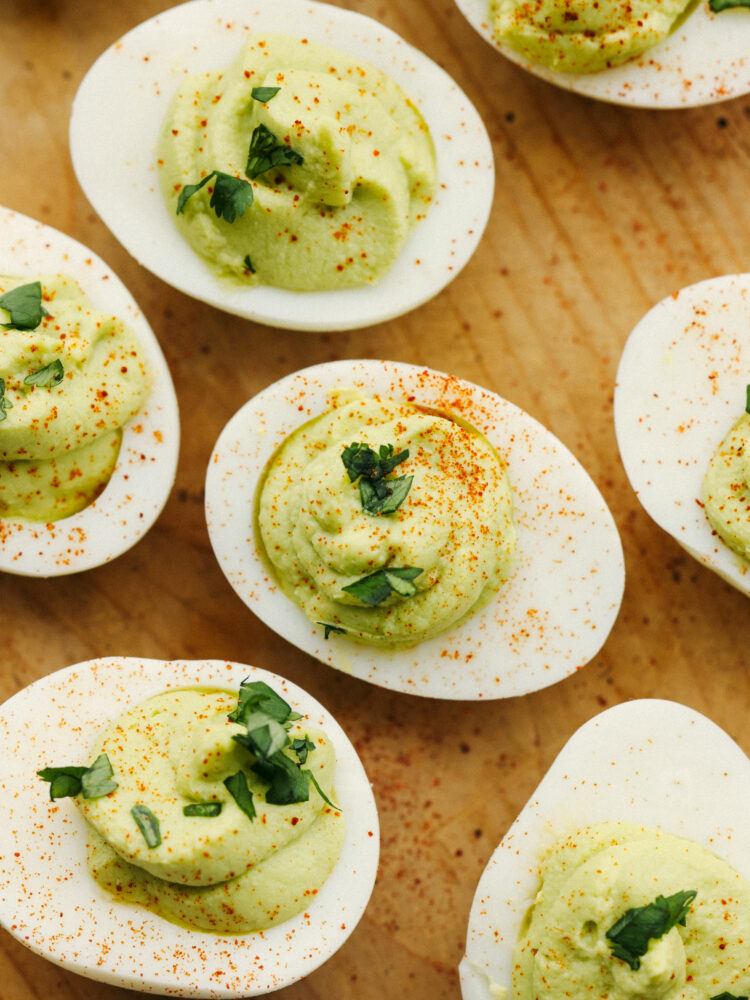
x,y
121,105
650,762
50,901
705,59
681,385
145,469
548,619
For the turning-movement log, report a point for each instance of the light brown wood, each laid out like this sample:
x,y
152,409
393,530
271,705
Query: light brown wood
x,y
599,213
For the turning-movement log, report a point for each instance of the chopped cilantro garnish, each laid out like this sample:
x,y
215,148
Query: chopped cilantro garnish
x,y
95,781
229,198
50,374
5,403
148,824
328,629
630,935
378,494
264,94
265,153
717,6
374,589
202,809
238,788
24,305
747,399
248,264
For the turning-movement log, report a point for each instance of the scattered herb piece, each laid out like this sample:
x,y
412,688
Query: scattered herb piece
x,y
747,399
374,589
50,375
64,781
95,781
287,781
248,264
727,996
264,94
148,824
630,935
202,809
302,748
265,153
328,629
24,304
5,403
238,788
321,793
378,494
717,6
229,198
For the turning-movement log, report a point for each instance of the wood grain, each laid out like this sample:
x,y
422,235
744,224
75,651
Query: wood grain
x,y
599,212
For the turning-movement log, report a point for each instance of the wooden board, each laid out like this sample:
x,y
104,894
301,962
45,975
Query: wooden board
x,y
599,212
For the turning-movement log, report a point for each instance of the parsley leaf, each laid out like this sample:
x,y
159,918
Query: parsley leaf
x,y
265,153
374,589
24,304
148,824
5,403
717,6
327,629
378,494
258,696
264,94
238,788
630,935
302,748
202,809
50,374
94,781
230,196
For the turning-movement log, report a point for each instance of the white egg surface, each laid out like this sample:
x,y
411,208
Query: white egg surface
x,y
681,385
50,902
122,102
147,462
650,762
549,619
706,59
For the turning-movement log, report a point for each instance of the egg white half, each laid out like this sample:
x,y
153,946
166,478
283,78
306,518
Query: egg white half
x,y
147,462
548,620
650,762
121,104
681,385
50,902
705,60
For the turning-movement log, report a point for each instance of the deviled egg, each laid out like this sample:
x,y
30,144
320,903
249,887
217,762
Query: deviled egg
x,y
141,473
52,903
703,59
681,386
553,588
114,151
650,763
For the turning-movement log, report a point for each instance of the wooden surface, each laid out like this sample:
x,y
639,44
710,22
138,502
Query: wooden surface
x,y
599,213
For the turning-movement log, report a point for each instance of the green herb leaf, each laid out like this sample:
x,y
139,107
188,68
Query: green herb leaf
x,y
202,809
264,94
630,935
24,304
374,589
747,399
5,403
238,788
302,748
288,782
96,781
248,264
321,793
264,736
265,153
717,6
229,198
257,696
51,374
148,824
727,996
64,781
378,494
328,629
